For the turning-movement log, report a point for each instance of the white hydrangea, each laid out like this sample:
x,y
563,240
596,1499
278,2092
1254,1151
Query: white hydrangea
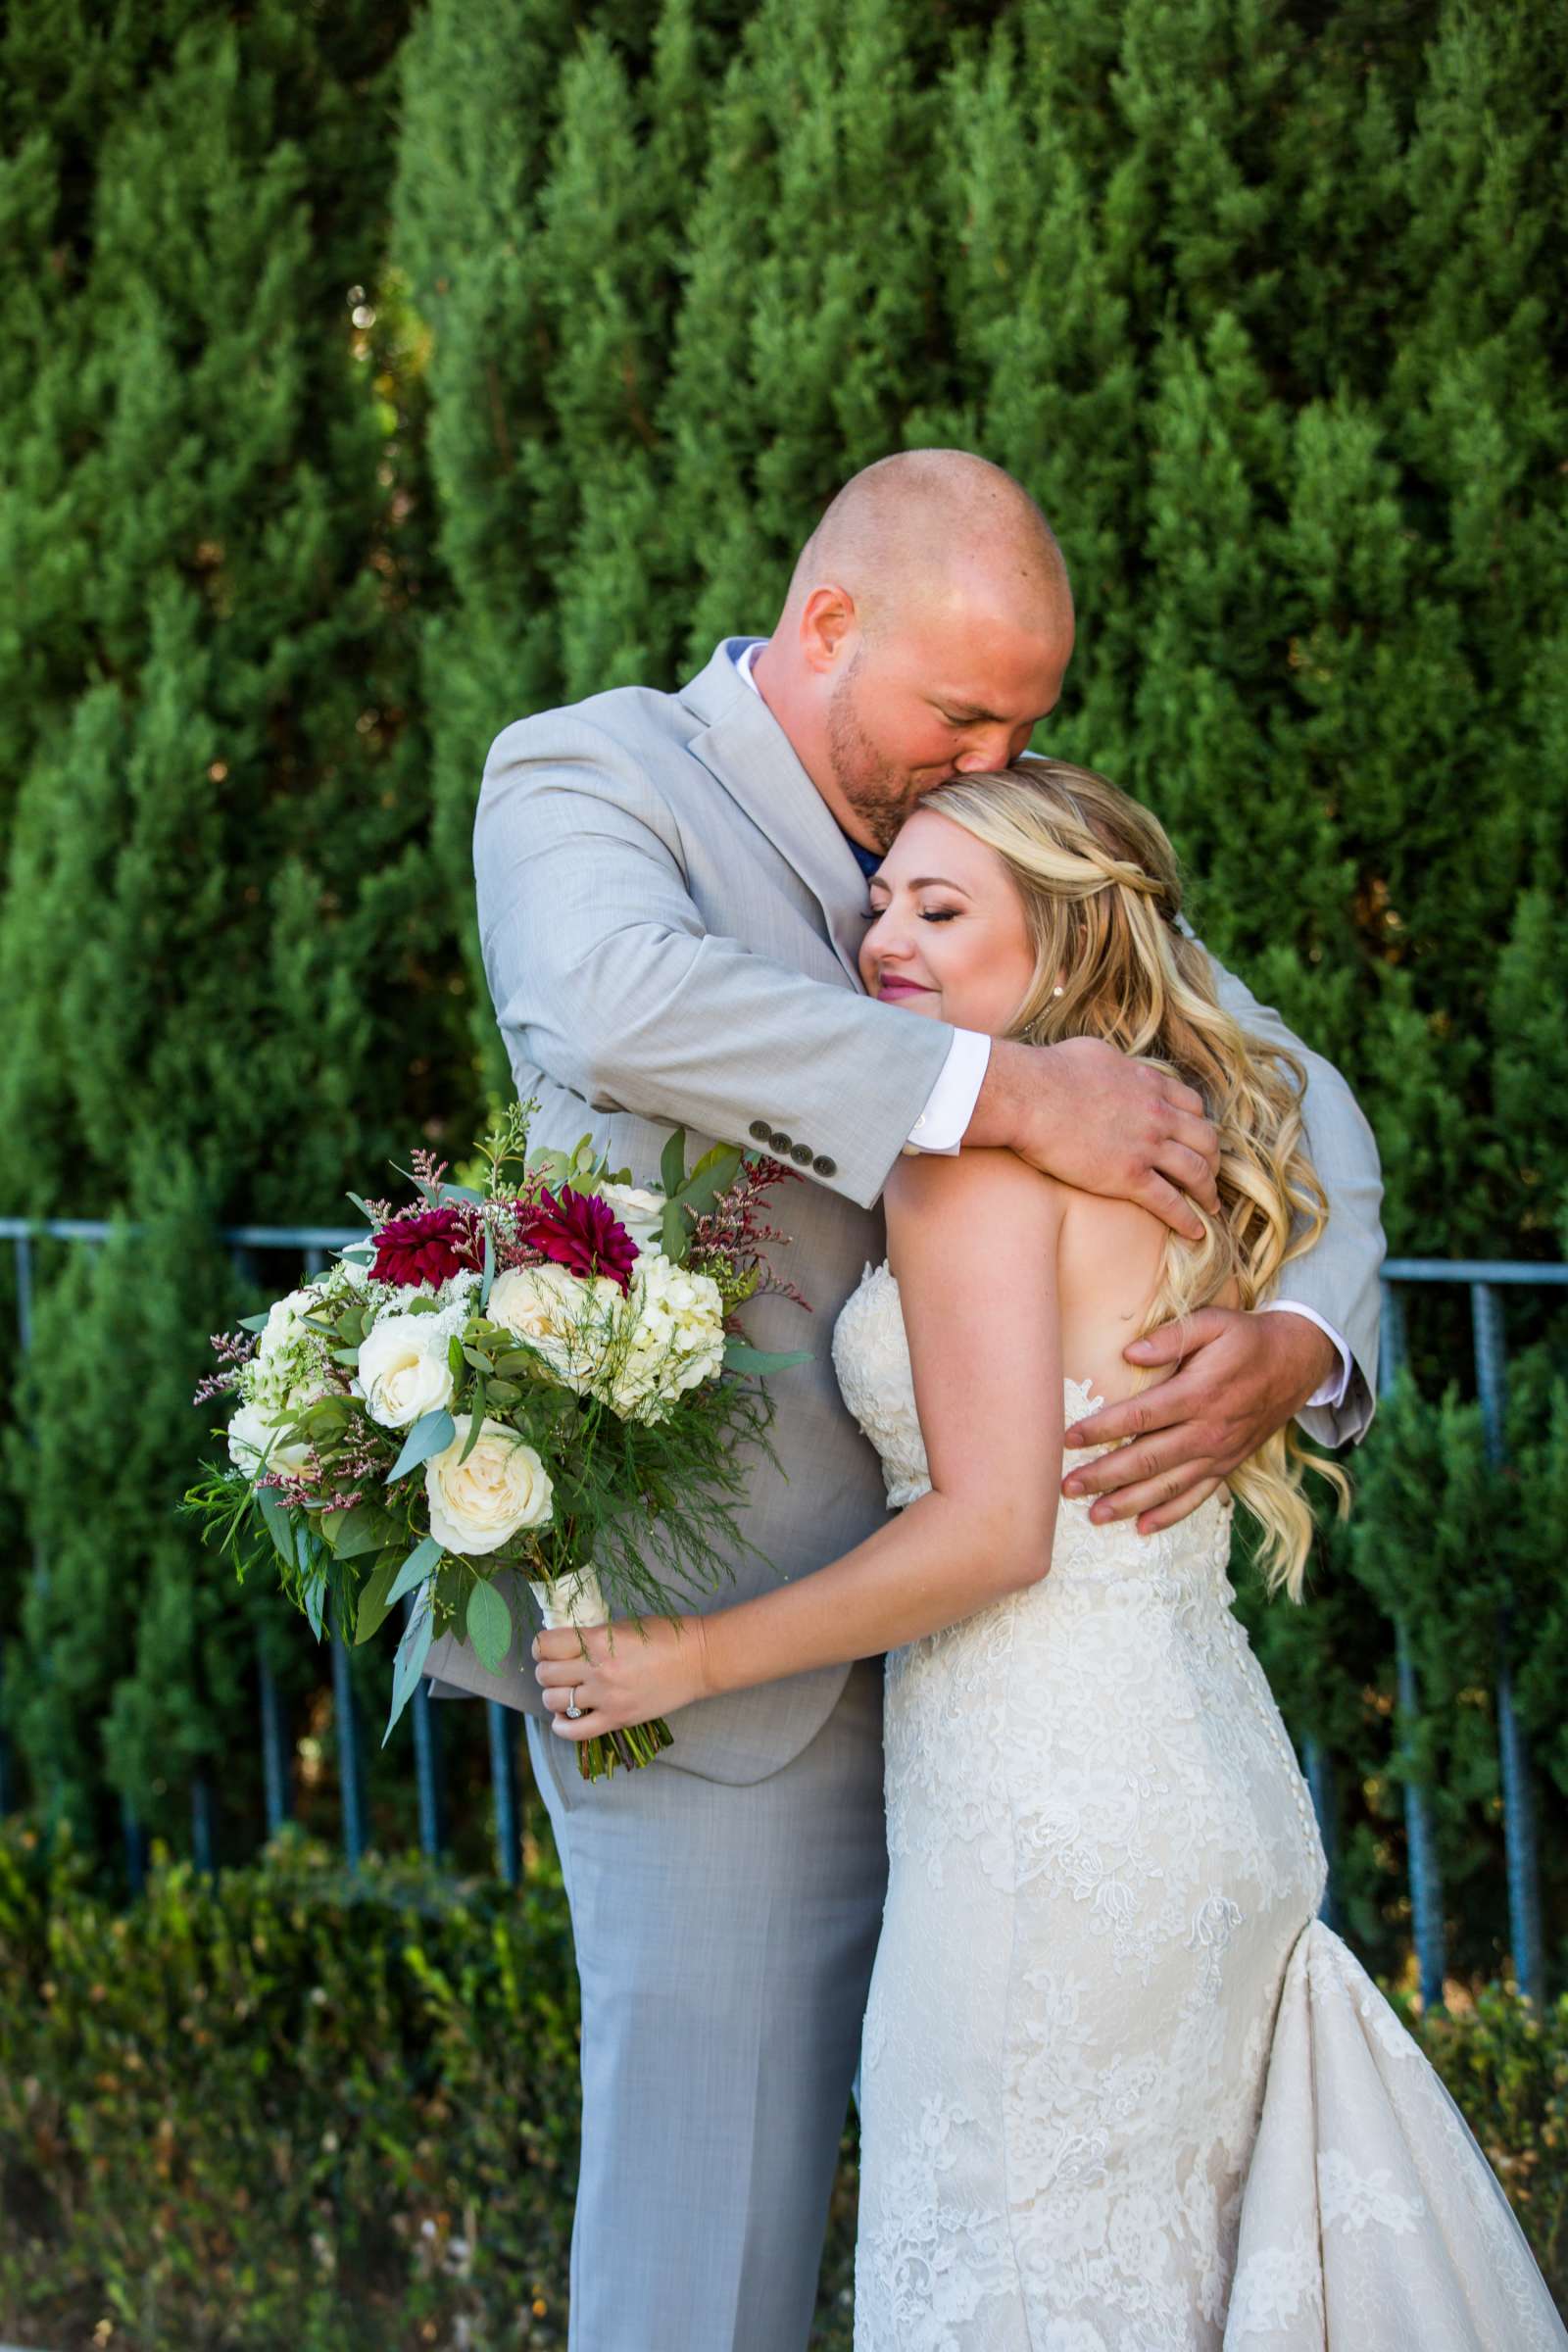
x,y
671,1339
287,1374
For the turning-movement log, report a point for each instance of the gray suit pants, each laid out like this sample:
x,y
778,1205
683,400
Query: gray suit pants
x,y
724,1942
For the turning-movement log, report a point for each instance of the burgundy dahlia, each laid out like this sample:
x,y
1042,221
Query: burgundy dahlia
x,y
584,1235
427,1247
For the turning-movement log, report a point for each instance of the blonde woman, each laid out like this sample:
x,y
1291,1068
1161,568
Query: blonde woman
x,y
1121,2092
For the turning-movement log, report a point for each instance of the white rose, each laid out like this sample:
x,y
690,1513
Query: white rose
x,y
404,1370
502,1487
641,1212
568,1318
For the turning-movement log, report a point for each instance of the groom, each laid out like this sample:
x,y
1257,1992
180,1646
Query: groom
x,y
672,888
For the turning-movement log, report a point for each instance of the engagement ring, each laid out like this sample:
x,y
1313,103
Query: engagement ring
x,y
572,1708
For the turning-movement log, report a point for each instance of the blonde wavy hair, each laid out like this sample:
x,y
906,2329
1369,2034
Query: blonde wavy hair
x,y
1102,895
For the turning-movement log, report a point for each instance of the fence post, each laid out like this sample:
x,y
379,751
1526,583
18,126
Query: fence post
x,y
504,1782
1317,1767
1513,1754
426,1758
350,1770
277,1777
203,1827
1426,1880
135,1848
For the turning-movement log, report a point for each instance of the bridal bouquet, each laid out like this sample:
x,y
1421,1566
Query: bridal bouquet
x,y
542,1374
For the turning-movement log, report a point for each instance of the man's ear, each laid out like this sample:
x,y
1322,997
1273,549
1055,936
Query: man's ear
x,y
828,629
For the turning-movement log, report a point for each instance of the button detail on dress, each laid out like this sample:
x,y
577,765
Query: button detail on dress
x,y
761,1131
825,1167
779,1141
801,1154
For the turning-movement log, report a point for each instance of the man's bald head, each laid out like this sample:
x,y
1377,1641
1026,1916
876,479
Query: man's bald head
x,y
927,528
924,635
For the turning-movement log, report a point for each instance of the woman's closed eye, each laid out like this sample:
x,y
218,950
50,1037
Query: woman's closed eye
x,y
927,915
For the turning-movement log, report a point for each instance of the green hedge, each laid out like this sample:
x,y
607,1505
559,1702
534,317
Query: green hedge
x,y
299,2108
292,2108
379,373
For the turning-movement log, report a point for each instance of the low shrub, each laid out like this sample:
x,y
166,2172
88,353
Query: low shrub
x,y
298,2107
1506,2063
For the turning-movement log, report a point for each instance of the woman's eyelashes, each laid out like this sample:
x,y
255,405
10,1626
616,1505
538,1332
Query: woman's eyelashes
x,y
927,915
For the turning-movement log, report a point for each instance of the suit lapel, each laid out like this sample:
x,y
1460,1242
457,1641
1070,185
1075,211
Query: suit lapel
x,y
745,749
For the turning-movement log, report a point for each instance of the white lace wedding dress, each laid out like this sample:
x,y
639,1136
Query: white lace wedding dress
x,y
1120,2090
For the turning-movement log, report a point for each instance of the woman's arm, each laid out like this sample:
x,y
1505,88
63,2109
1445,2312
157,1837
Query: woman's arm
x,y
973,1243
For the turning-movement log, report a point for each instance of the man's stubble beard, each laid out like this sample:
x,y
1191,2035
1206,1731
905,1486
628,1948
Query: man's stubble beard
x,y
880,794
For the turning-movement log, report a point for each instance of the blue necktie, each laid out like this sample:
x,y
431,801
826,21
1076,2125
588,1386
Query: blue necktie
x,y
866,859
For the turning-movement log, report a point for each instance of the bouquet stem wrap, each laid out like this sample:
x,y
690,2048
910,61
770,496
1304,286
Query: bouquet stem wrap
x,y
575,1600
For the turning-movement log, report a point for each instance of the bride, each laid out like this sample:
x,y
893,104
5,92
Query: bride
x,y
1121,2091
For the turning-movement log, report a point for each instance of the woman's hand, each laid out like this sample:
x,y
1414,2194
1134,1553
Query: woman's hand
x,y
620,1674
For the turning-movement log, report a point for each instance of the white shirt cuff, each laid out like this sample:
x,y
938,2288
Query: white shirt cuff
x,y
1333,1390
950,1105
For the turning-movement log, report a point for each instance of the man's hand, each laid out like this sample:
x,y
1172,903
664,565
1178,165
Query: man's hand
x,y
1241,1378
1087,1113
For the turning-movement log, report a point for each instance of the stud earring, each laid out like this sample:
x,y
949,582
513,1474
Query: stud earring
x,y
1058,990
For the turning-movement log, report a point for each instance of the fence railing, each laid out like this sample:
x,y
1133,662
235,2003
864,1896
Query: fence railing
x,y
1486,1281
308,1245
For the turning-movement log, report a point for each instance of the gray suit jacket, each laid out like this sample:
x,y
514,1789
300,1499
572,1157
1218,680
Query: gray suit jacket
x,y
671,920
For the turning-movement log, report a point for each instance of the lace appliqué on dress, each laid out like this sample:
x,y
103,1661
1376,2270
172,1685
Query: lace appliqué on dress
x,y
1095,2087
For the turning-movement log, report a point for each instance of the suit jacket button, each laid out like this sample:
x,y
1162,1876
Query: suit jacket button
x,y
801,1156
825,1167
779,1141
761,1131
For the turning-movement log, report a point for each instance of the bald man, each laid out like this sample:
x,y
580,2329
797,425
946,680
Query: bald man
x,y
671,892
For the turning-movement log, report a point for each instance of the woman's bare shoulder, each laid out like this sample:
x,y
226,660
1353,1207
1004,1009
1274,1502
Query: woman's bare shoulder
x,y
934,1188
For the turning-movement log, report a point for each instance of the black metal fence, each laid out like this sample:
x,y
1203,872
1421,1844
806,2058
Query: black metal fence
x,y
1485,1282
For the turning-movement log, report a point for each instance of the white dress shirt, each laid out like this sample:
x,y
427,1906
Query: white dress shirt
x,y
949,1107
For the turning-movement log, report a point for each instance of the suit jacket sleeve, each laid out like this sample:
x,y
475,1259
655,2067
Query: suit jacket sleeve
x,y
1338,1277
605,975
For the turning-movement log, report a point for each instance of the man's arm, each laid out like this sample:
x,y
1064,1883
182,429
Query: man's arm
x,y
603,974
1241,1377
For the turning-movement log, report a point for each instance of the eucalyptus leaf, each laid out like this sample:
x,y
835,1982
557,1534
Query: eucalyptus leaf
x,y
413,1650
421,1562
364,1209
375,1601
458,1191
714,1174
673,1163
740,1357
488,1277
675,1233
489,1625
253,1322
432,1433
362,1529
290,1539
314,1597
475,1426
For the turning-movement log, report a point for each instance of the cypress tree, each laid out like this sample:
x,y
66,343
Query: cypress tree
x,y
1256,298
217,928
